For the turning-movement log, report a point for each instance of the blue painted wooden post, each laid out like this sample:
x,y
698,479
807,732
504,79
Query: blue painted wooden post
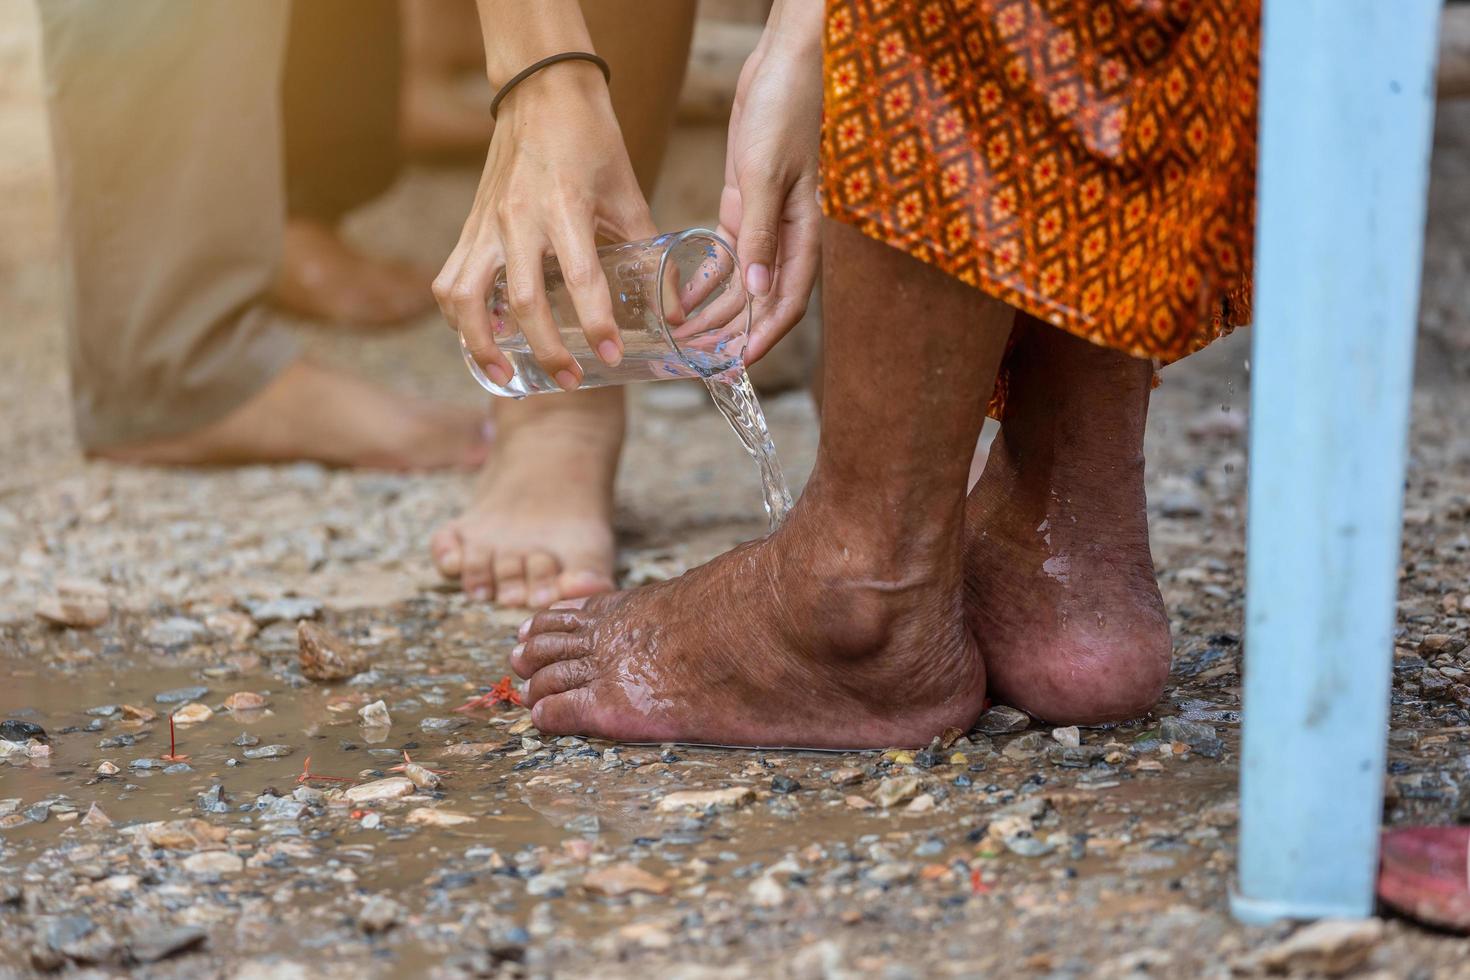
x,y
1346,111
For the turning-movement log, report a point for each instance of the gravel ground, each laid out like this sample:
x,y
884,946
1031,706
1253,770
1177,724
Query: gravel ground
x,y
452,842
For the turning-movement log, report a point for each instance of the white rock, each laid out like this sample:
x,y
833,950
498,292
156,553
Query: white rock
x,y
429,817
214,863
380,789
735,796
767,892
375,715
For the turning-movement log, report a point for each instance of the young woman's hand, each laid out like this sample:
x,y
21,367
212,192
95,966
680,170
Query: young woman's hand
x,y
556,177
769,204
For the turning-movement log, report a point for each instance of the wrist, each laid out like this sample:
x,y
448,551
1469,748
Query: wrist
x,y
567,87
795,28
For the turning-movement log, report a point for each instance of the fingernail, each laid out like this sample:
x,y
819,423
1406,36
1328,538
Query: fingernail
x,y
758,279
609,352
480,595
517,650
543,597
567,380
497,374
525,631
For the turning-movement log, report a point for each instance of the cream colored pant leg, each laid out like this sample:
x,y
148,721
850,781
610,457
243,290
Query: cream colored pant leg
x,y
165,118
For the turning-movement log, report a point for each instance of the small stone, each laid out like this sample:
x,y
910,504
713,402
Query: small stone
x,y
734,797
1332,947
421,776
1070,737
245,701
433,726
784,784
176,696
926,759
1025,746
428,817
1438,643
213,800
133,712
1197,735
152,945
147,764
74,611
289,610
231,625
847,776
15,730
922,803
767,892
895,790
647,935
283,809
176,631
375,715
380,789
1003,719
891,873
268,752
325,656
378,914
859,802
1027,845
616,880
192,714
181,835
214,863
107,768
96,819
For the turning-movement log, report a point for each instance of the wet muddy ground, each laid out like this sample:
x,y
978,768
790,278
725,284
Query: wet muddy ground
x,y
491,850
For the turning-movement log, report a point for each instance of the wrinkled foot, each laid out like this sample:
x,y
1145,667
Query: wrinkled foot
x,y
311,413
799,640
539,528
1061,593
325,278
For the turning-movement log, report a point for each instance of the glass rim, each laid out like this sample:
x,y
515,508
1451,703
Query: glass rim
x,y
675,240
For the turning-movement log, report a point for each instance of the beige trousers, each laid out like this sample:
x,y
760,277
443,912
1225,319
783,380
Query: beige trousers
x,y
165,121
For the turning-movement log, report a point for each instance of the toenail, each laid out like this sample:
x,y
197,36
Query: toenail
x,y
480,595
543,597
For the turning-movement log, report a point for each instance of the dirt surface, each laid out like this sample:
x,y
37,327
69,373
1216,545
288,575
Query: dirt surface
x,y
1101,852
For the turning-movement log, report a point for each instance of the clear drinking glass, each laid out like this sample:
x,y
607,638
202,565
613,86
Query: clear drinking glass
x,y
678,302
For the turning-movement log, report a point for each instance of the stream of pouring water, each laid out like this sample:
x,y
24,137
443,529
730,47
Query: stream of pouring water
x,y
735,398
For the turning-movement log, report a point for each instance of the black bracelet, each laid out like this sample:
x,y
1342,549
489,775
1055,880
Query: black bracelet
x,y
543,63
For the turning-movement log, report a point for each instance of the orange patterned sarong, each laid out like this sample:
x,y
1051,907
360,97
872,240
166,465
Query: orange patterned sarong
x,y
1090,162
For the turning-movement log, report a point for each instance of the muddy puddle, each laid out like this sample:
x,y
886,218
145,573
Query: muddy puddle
x,y
513,840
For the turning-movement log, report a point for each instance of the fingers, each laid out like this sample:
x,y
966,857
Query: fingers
x,y
525,292
462,289
762,195
800,252
581,270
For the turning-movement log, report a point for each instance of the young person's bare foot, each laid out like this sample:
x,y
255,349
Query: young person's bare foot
x,y
313,413
1061,592
325,278
812,637
540,526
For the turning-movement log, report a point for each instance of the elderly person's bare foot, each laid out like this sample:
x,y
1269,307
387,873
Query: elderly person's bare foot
x,y
323,277
313,413
846,627
1061,593
539,528
814,637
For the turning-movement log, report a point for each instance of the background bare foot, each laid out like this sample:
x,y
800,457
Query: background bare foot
x,y
539,528
317,414
325,278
